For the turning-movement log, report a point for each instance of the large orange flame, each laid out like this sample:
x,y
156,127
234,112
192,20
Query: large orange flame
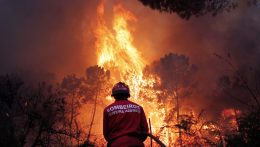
x,y
116,51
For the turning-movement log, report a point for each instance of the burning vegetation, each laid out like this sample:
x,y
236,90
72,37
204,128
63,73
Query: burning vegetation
x,y
69,113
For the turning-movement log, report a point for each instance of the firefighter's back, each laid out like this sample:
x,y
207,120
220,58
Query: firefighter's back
x,y
124,122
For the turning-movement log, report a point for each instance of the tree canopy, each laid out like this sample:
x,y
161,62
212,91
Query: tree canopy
x,y
187,8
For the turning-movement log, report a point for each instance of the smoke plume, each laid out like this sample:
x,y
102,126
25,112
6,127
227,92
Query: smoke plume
x,y
46,36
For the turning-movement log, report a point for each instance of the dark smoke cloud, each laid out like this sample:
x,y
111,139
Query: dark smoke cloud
x,y
46,36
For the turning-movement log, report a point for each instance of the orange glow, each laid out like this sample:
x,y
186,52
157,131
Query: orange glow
x,y
227,113
230,116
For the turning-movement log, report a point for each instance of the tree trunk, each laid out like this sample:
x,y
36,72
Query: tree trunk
x,y
38,135
93,116
178,117
71,117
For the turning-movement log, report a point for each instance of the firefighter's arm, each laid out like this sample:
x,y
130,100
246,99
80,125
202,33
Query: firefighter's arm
x,y
105,125
144,126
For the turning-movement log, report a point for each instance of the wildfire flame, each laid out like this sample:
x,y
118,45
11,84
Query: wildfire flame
x,y
116,51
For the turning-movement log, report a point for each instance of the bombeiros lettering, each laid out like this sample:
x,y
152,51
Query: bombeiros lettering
x,y
118,109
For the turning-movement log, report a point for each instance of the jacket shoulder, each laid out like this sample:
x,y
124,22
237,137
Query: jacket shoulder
x,y
108,106
134,103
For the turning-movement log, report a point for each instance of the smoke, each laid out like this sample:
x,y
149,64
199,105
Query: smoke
x,y
46,36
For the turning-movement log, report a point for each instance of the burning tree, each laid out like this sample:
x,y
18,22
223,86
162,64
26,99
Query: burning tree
x,y
176,80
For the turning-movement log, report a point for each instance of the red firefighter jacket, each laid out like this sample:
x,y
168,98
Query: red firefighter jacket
x,y
124,124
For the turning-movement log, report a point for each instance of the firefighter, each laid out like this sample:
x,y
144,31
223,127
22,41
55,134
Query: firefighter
x,y
124,122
